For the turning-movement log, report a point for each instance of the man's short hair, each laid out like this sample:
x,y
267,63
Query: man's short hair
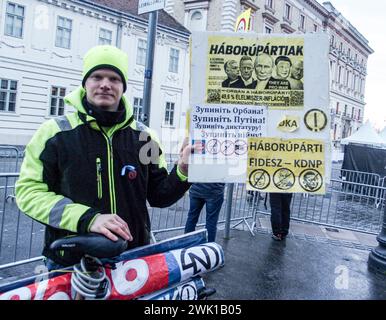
x,y
226,64
244,58
282,58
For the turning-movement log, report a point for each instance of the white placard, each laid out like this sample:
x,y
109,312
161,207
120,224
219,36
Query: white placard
x,y
294,109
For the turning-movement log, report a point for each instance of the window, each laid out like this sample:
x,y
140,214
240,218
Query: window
x,y
105,36
354,86
341,47
302,21
335,127
63,33
8,90
57,103
138,108
196,22
352,112
269,3
337,108
359,114
141,52
173,60
345,109
197,15
268,29
339,74
315,27
169,114
14,20
332,40
287,11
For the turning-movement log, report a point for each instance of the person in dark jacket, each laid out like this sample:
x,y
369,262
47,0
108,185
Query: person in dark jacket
x,y
212,196
231,68
246,70
280,214
93,170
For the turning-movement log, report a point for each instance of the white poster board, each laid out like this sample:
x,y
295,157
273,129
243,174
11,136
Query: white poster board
x,y
276,106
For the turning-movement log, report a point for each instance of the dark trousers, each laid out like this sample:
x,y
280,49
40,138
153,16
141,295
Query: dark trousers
x,y
213,207
280,212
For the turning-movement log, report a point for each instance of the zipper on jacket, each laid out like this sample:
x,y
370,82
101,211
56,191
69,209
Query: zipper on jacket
x,y
110,165
99,177
111,176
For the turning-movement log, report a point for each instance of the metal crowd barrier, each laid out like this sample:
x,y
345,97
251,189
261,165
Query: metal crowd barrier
x,y
174,217
21,238
10,159
355,202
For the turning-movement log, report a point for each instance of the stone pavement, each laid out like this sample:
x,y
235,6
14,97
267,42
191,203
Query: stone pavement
x,y
319,233
312,263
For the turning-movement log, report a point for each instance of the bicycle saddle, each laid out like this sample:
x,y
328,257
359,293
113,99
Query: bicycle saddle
x,y
92,244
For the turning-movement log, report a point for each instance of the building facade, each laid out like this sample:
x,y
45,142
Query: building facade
x,y
349,50
41,48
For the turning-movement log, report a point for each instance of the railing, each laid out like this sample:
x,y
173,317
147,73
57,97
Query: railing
x,y
174,217
10,159
353,201
20,237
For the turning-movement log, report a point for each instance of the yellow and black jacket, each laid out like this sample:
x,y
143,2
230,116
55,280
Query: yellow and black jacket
x,y
73,170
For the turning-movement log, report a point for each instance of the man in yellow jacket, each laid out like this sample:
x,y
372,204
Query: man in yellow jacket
x,y
93,170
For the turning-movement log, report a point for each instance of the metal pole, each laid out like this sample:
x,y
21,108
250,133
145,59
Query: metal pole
x,y
153,17
118,38
228,211
377,256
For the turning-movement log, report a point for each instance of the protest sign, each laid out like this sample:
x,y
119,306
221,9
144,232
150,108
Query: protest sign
x,y
279,165
287,76
264,66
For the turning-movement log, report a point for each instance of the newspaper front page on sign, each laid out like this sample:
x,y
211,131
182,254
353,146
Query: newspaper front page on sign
x,y
270,90
271,83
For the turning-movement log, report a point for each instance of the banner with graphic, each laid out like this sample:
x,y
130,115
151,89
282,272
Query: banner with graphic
x,y
189,290
243,21
133,278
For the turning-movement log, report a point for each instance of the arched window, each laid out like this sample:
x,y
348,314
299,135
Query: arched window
x,y
197,15
196,21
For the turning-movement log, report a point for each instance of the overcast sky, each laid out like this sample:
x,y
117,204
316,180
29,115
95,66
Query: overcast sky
x,y
369,18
